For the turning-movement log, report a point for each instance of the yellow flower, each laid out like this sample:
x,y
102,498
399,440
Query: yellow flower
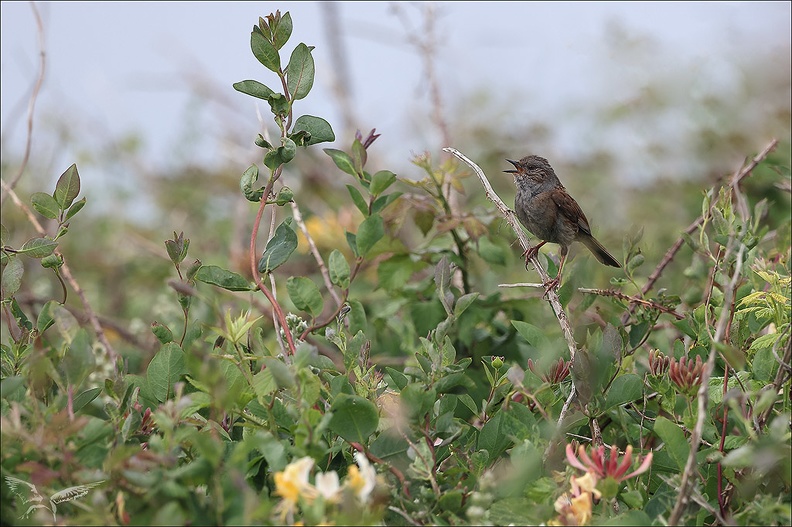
x,y
292,482
586,483
573,510
362,480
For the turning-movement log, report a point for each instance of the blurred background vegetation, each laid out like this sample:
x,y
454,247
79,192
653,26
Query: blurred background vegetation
x,y
651,136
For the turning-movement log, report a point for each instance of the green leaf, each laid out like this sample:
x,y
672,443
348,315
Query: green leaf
x,y
38,247
300,72
394,272
383,201
354,418
282,31
397,378
164,371
492,437
254,89
45,317
626,388
352,242
45,205
675,442
371,231
67,187
12,276
339,269
341,160
246,182
264,51
358,200
359,156
381,181
320,130
305,295
532,334
279,248
82,399
490,252
442,279
75,208
417,400
78,361
281,155
214,275
464,302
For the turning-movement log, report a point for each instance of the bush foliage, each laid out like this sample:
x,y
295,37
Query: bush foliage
x,y
380,376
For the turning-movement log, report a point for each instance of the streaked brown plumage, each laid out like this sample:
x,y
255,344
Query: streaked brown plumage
x,y
546,209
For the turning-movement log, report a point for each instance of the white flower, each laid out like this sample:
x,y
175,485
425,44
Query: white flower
x,y
327,484
363,480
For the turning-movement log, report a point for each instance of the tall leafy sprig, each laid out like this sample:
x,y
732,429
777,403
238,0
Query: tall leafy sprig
x,y
296,78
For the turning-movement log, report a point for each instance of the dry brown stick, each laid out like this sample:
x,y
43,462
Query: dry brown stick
x,y
632,299
315,252
703,393
31,104
671,253
552,295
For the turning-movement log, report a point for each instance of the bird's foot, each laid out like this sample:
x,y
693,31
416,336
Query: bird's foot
x,y
530,253
550,285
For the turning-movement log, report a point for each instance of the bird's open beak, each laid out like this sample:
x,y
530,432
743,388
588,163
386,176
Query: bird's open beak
x,y
515,165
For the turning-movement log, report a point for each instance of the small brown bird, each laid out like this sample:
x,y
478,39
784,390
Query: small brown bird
x,y
545,208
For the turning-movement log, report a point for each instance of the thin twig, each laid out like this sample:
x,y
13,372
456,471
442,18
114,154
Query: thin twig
x,y
31,103
552,295
315,251
633,300
735,180
703,393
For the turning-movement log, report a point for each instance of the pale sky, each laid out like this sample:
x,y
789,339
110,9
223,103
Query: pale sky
x,y
120,67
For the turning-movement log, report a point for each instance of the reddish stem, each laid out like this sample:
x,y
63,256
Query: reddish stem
x,y
254,267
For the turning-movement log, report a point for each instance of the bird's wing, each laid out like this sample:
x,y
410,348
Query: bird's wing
x,y
14,484
567,203
72,493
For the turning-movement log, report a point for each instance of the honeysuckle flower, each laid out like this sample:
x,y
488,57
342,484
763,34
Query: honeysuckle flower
x,y
556,373
363,479
597,466
686,374
585,483
292,482
573,510
658,363
327,484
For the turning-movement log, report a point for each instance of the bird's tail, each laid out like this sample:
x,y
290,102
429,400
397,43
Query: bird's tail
x,y
599,251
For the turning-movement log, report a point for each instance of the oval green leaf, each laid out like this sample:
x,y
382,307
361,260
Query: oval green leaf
x,y
164,371
300,72
279,248
320,130
45,205
371,231
67,187
214,275
264,51
341,160
354,418
305,295
254,89
38,247
339,269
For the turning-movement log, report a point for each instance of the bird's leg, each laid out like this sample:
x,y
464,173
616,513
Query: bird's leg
x,y
531,252
553,283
